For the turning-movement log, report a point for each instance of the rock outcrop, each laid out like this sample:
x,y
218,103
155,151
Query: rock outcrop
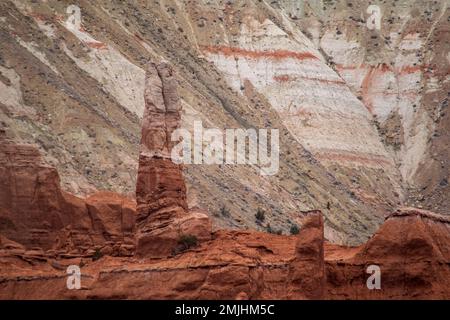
x,y
37,214
162,210
307,276
412,249
233,265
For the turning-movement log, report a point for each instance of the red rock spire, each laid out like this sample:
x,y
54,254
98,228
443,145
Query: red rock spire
x,y
162,210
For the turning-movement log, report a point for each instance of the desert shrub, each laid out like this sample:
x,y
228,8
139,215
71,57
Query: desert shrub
x,y
294,229
224,211
187,241
260,215
97,255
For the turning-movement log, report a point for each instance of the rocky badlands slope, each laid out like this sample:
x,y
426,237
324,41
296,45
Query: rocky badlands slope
x,y
159,248
361,112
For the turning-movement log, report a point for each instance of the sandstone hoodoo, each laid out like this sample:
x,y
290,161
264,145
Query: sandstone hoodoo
x,y
163,218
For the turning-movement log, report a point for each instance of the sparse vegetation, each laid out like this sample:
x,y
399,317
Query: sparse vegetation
x,y
187,241
294,229
97,255
260,215
273,230
224,211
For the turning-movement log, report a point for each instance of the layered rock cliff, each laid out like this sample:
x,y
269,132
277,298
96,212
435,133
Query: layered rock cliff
x,y
38,215
342,96
177,256
399,68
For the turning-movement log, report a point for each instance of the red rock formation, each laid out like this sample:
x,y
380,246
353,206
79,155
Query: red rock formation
x,y
36,213
412,249
308,269
233,265
160,190
30,199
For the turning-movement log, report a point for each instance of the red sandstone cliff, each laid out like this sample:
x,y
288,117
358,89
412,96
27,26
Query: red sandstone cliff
x,y
37,214
412,249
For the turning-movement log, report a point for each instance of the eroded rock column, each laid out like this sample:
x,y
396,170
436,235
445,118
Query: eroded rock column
x,y
160,190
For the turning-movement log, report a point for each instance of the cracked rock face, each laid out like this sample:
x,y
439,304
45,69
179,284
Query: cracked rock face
x,y
160,181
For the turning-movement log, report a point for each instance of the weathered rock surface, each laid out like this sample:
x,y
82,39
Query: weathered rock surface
x,y
233,264
77,92
307,276
400,71
162,209
412,249
36,213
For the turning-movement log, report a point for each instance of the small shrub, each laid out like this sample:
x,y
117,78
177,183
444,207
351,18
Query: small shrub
x,y
97,255
294,229
187,241
260,215
224,211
